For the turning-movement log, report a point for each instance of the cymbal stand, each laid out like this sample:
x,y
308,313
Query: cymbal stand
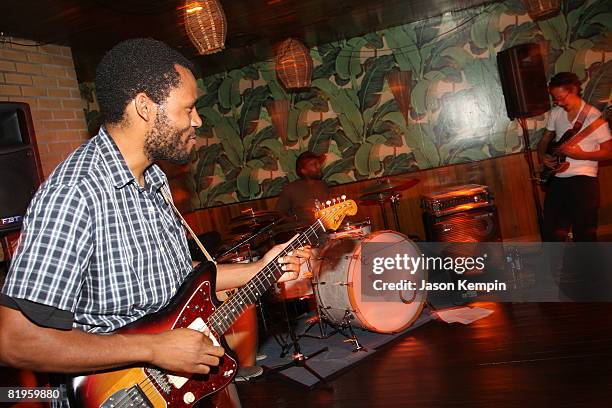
x,y
381,203
395,197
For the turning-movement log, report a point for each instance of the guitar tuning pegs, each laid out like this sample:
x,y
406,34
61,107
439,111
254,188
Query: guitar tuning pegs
x,y
343,197
333,201
317,204
328,202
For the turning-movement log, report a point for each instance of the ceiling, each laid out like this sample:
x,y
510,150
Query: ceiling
x,y
91,27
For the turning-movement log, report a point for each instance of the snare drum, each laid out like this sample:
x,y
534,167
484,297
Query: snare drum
x,y
339,284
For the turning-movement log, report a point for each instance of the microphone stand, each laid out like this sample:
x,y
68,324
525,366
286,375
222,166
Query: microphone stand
x,y
532,176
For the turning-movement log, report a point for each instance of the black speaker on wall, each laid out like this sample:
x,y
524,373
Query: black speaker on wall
x,y
523,80
20,169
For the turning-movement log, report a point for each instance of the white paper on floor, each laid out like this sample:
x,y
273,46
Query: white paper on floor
x,y
465,315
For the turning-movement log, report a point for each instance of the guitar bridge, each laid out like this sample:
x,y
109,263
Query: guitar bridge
x,y
160,379
131,397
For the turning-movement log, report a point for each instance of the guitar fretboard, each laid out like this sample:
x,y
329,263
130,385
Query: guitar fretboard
x,y
231,309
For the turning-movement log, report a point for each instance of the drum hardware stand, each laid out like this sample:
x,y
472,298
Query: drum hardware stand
x,y
321,321
346,324
298,359
318,319
381,203
394,199
394,204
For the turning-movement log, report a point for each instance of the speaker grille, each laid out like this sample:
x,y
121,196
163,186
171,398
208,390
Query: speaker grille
x,y
19,181
479,225
523,80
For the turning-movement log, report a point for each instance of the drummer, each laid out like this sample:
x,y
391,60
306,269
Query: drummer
x,y
297,199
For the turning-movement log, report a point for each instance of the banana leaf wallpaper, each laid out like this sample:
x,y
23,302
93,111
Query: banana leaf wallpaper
x,y
449,107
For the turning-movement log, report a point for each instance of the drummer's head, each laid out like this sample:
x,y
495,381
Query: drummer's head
x,y
309,165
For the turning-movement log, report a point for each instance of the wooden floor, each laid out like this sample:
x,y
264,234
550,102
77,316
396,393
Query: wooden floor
x,y
523,355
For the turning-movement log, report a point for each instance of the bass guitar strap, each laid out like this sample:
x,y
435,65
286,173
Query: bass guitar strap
x,y
584,133
577,124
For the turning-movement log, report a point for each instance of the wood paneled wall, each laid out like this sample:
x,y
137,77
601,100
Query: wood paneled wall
x,y
507,177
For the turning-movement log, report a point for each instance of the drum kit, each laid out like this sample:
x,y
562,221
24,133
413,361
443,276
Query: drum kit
x,y
332,280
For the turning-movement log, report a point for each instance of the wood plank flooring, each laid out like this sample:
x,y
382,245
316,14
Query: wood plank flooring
x,y
523,355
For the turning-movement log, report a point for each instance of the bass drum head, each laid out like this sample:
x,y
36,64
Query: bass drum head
x,y
341,272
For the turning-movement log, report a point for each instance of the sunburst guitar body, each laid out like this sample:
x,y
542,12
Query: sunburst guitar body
x,y
149,386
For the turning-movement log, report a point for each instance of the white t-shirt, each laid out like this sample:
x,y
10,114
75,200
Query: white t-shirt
x,y
559,123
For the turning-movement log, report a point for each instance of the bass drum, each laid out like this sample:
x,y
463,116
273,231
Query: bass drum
x,y
340,280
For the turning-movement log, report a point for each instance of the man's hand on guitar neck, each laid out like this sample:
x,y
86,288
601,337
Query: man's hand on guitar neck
x,y
291,263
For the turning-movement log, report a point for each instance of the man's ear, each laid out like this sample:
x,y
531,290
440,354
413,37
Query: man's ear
x,y
145,107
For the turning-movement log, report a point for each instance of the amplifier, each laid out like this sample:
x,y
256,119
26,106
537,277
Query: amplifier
x,y
474,225
456,199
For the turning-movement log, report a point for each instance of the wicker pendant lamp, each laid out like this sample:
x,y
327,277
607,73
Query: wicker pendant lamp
x,y
542,9
293,64
399,84
206,25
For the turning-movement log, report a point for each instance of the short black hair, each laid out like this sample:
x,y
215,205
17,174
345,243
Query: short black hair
x,y
134,66
304,158
566,80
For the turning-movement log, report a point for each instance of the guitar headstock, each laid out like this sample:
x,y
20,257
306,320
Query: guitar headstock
x,y
333,212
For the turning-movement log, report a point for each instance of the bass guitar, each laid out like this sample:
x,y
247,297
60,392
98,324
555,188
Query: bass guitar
x,y
194,306
560,164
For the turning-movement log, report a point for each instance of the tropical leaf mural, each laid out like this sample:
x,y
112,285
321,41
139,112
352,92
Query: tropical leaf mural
x,y
457,109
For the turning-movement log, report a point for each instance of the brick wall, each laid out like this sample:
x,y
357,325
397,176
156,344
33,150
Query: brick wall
x,y
44,77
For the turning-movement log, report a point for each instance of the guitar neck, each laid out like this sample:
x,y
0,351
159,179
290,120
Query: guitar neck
x,y
231,309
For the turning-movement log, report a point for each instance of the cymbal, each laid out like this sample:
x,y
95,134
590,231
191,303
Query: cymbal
x,y
387,186
255,216
375,198
248,227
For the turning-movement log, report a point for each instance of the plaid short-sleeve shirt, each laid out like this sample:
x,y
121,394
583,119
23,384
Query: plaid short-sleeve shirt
x,y
97,244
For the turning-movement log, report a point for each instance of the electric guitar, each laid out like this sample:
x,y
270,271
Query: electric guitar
x,y
194,306
560,165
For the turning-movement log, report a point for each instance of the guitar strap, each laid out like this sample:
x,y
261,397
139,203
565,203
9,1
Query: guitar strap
x,y
579,121
168,198
585,132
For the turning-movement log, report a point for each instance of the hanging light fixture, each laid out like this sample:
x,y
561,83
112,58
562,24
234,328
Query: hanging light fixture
x,y
206,25
279,114
542,9
293,64
399,84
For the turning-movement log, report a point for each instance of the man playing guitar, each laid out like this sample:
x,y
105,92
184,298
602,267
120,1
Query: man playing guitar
x,y
572,198
101,246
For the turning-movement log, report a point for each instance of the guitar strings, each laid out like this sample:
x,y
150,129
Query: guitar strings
x,y
257,283
253,287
